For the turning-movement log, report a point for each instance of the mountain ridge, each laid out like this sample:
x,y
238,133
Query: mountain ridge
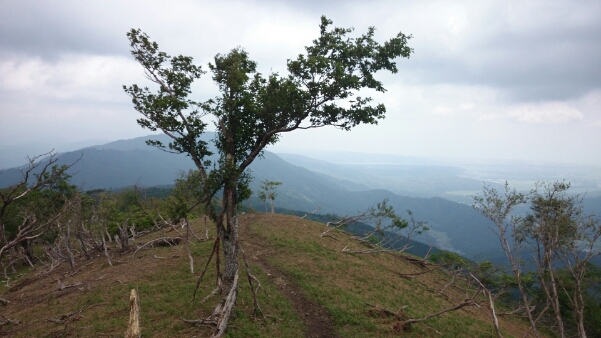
x,y
456,227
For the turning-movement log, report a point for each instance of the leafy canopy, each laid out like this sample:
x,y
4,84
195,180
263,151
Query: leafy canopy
x,y
320,89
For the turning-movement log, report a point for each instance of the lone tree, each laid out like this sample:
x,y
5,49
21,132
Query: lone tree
x,y
268,193
252,110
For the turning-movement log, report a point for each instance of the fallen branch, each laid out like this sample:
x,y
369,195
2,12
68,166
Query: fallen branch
x,y
9,321
341,223
62,286
397,315
257,309
457,273
495,321
223,311
467,302
215,246
70,317
509,313
312,212
167,241
213,293
409,275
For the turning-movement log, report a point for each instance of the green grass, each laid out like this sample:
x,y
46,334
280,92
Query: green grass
x,y
343,283
339,282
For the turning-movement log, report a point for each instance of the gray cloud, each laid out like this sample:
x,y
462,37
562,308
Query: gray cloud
x,y
524,63
546,58
48,30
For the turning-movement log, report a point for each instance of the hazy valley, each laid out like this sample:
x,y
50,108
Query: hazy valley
x,y
439,192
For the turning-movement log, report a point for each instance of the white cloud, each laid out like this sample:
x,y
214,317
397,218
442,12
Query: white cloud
x,y
550,112
92,78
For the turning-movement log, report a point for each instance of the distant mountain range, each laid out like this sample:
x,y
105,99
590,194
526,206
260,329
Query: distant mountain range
x,y
454,226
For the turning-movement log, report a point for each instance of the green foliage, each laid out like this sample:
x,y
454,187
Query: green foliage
x,y
163,110
43,202
344,65
185,196
252,110
268,193
451,259
561,240
115,208
383,212
552,222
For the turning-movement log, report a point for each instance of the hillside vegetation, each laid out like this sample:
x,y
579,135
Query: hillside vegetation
x,y
315,289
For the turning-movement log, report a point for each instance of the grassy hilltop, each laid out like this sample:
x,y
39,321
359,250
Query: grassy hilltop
x,y
315,290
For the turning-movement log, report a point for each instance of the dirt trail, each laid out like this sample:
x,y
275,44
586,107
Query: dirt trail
x,y
317,320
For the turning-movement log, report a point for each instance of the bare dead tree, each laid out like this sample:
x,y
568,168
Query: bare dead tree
x,y
31,228
498,207
123,237
390,233
251,280
43,174
105,251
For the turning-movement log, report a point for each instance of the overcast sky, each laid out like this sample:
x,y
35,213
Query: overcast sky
x,y
488,79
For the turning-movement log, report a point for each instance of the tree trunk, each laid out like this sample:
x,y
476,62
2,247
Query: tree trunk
x,y
227,226
187,245
554,294
229,233
2,234
579,309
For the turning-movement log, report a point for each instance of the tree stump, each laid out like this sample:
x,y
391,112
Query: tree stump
x,y
133,329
